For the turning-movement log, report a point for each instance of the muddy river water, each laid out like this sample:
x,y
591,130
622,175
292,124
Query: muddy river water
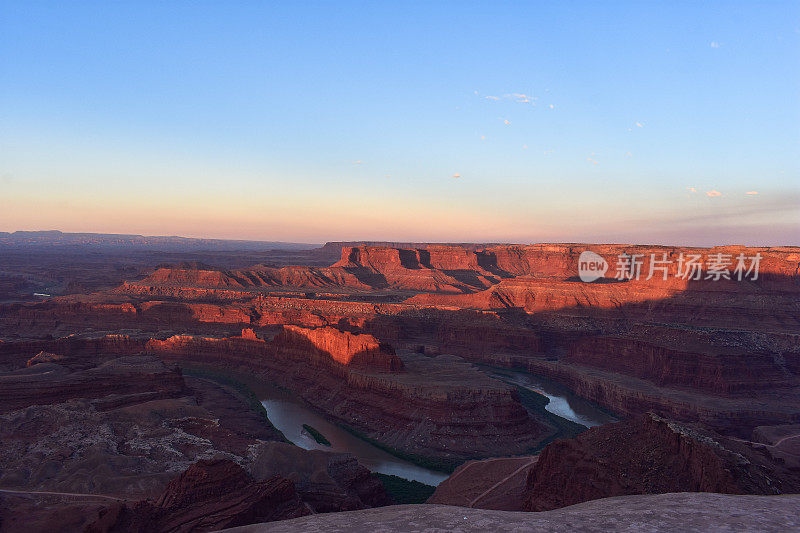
x,y
288,414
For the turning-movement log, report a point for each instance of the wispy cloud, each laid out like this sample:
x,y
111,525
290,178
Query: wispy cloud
x,y
358,162
639,125
691,189
456,175
714,44
548,152
592,161
713,193
506,122
551,106
628,154
520,98
751,193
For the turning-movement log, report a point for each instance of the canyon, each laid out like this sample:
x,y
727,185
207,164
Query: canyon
x,y
404,345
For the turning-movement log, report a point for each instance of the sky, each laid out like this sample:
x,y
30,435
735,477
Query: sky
x,y
634,122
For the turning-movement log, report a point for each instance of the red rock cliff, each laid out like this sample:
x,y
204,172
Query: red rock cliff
x,y
343,347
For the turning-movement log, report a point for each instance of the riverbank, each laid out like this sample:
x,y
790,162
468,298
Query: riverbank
x,y
562,402
241,389
288,412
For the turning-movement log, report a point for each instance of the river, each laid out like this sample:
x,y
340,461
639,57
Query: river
x,y
562,402
288,414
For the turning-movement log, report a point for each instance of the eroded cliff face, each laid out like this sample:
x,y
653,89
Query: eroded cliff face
x,y
691,364
728,304
363,268
432,406
652,455
87,416
723,352
343,347
117,382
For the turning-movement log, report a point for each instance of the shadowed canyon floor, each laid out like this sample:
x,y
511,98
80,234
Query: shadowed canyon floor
x,y
117,384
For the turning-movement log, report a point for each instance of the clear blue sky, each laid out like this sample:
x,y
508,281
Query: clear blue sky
x,y
460,121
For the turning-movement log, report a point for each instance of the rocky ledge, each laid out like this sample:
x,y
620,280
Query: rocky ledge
x,y
666,513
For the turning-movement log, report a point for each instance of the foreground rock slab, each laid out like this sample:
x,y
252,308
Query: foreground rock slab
x,y
655,513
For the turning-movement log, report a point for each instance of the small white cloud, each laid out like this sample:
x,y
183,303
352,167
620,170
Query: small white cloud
x,y
551,106
524,146
495,98
752,193
358,162
592,161
639,125
628,154
714,44
456,175
691,189
713,193
506,122
483,137
548,152
521,98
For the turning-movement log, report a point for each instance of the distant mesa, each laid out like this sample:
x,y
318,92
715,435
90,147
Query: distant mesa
x,y
112,240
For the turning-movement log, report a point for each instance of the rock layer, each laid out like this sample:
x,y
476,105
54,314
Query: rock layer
x,y
343,347
650,455
210,495
436,407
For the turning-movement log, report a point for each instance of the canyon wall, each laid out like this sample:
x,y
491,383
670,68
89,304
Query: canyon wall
x,y
115,382
435,407
651,455
343,347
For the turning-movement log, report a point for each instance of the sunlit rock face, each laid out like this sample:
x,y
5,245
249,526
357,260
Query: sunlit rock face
x,y
433,406
393,341
344,347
